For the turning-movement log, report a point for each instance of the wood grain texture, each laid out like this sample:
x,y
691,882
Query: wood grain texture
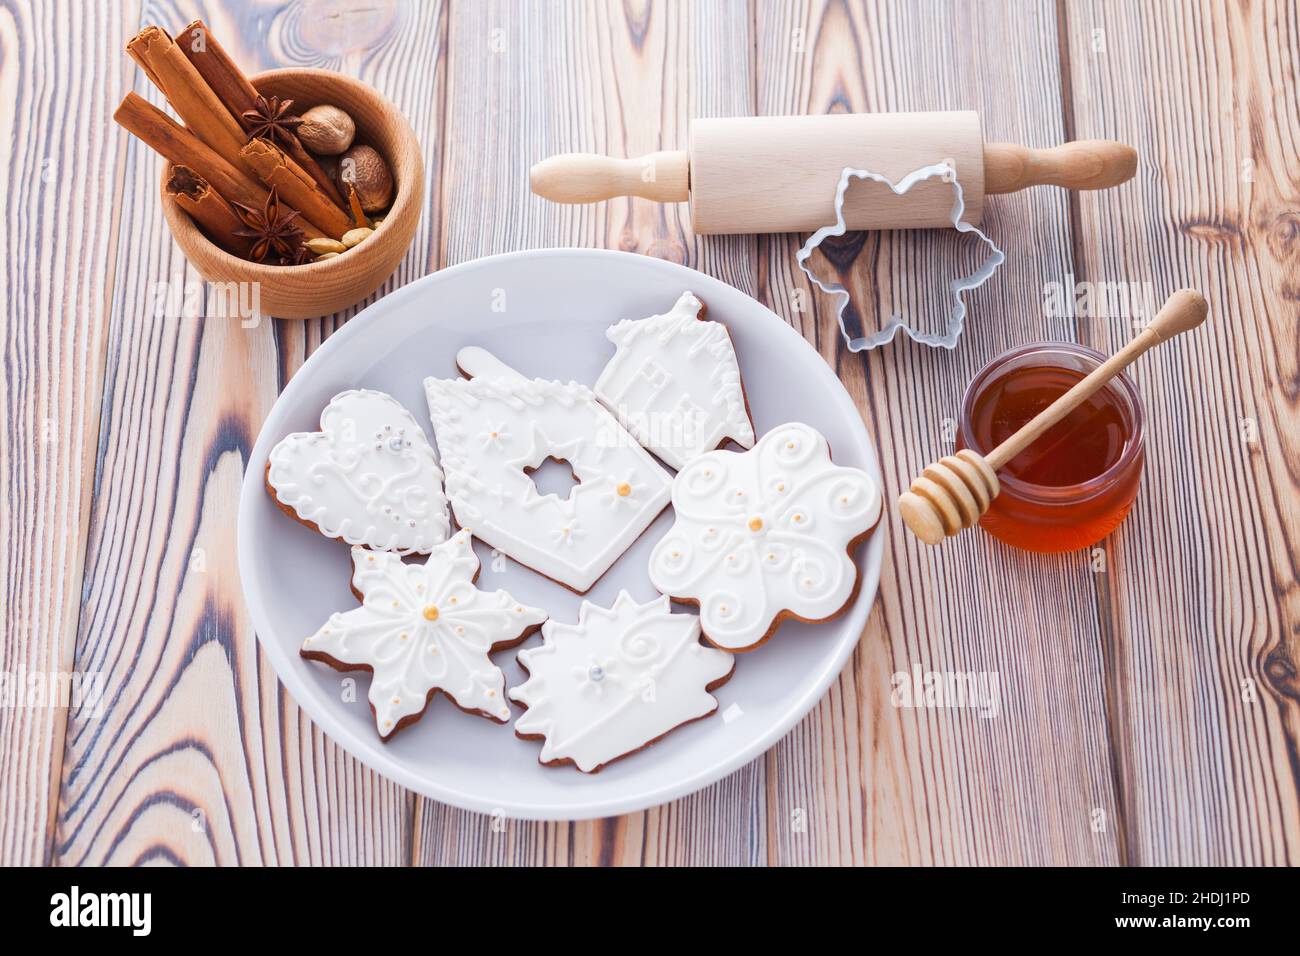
x,y
1201,611
1148,710
944,786
59,162
200,757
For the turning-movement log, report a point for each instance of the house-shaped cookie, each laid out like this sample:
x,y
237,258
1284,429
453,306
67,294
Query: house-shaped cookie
x,y
495,426
675,384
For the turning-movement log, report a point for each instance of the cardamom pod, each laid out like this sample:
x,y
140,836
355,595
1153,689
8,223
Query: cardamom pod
x,y
355,236
325,244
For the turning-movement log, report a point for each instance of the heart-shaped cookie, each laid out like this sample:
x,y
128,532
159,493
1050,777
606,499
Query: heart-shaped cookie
x,y
369,476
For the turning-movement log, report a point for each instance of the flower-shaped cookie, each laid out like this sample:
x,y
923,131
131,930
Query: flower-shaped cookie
x,y
764,534
424,628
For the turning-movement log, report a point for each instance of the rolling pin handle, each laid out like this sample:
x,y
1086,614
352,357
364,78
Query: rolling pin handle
x,y
590,177
1085,164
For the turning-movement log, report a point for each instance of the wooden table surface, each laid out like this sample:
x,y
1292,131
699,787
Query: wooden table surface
x,y
1150,701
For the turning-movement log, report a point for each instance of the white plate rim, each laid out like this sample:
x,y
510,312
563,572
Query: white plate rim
x,y
852,622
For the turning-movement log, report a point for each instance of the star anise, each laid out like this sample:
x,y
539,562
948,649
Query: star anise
x,y
300,256
270,228
270,119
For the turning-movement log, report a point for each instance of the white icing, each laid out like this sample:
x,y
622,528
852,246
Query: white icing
x,y
616,680
369,476
675,384
765,531
424,628
494,425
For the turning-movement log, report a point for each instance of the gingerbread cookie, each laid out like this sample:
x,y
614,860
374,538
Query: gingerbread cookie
x,y
674,383
495,426
369,476
424,628
765,534
617,680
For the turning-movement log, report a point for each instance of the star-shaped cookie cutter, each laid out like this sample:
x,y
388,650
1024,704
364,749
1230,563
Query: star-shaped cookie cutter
x,y
946,172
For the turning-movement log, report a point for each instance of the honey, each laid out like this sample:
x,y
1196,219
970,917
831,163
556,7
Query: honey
x,y
1077,482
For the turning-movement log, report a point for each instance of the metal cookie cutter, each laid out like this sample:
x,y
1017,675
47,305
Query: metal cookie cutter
x,y
948,174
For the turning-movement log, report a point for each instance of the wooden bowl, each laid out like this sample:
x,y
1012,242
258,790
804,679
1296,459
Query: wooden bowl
x,y
319,288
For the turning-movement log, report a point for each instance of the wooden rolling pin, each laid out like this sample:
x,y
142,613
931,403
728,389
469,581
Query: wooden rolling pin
x,y
779,173
954,492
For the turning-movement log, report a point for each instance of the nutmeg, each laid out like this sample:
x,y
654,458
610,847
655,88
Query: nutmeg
x,y
366,170
326,130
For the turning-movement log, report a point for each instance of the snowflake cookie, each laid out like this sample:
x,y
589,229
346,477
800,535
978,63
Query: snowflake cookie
x,y
424,628
496,425
369,476
675,384
616,681
765,534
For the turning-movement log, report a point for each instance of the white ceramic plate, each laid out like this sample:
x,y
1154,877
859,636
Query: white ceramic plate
x,y
545,313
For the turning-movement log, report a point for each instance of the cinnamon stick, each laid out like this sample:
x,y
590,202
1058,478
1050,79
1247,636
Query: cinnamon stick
x,y
233,88
217,69
195,195
188,93
358,214
298,189
173,141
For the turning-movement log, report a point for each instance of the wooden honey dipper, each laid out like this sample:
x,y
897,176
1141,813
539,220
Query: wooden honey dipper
x,y
953,492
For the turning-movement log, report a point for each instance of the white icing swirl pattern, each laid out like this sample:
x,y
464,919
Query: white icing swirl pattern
x,y
618,679
765,531
369,476
493,427
424,628
674,383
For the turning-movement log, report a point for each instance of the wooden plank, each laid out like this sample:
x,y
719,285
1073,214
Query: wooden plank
x,y
1203,625
1168,679
609,78
863,781
200,756
58,249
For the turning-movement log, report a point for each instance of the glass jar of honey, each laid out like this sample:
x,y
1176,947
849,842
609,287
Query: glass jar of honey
x,y
1076,483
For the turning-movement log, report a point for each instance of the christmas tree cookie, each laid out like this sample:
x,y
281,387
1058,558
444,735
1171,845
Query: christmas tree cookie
x,y
619,679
